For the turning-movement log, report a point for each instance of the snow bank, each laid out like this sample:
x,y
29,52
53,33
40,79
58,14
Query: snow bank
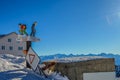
x,y
10,62
57,76
13,68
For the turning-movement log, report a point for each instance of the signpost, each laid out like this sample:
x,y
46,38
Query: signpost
x,y
32,59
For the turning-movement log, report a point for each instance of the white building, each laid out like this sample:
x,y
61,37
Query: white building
x,y
9,45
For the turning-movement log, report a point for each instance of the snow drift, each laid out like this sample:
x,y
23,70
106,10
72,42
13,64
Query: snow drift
x,y
13,68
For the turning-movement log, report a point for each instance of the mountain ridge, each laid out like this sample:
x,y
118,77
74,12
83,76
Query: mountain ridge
x,y
106,55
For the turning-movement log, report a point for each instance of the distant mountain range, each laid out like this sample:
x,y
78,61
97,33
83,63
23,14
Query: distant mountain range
x,y
110,55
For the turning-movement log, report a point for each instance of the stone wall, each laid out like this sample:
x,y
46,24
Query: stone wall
x,y
75,70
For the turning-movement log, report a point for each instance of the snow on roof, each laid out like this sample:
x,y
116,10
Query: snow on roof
x,y
3,35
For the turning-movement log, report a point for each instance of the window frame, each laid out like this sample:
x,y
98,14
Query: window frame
x,y
10,48
20,48
9,40
3,47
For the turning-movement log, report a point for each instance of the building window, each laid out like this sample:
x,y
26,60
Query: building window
x,y
9,40
20,48
11,48
3,47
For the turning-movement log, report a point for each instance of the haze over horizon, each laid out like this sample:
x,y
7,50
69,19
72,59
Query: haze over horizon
x,y
66,26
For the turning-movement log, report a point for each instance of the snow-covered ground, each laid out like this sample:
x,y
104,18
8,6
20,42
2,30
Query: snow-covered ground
x,y
13,68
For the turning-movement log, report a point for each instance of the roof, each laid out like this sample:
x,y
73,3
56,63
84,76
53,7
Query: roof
x,y
4,35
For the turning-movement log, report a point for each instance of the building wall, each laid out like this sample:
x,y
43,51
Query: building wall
x,y
75,70
11,45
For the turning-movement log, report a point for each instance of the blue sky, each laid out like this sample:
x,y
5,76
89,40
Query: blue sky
x,y
66,26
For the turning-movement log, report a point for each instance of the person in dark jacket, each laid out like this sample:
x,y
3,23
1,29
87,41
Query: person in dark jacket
x,y
33,30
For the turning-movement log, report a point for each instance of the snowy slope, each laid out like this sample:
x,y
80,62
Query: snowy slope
x,y
13,68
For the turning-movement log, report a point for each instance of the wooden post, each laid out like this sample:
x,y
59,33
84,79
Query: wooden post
x,y
28,45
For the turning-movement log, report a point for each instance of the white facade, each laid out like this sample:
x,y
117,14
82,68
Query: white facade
x,y
9,45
